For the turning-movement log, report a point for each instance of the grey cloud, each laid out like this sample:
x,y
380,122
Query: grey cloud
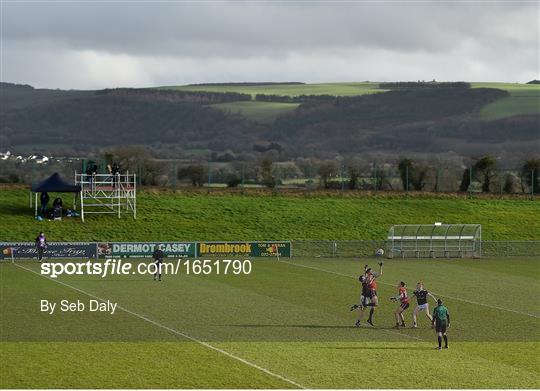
x,y
175,37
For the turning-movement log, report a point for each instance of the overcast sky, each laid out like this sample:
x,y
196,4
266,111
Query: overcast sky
x,y
88,45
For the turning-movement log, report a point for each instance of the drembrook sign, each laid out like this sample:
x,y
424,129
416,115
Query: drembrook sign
x,y
249,249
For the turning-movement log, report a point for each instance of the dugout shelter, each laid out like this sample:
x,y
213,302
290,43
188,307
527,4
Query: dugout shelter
x,y
435,241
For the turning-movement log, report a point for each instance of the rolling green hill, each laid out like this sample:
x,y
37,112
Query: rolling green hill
x,y
305,119
17,96
524,99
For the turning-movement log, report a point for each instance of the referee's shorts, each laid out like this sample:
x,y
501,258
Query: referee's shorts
x,y
440,326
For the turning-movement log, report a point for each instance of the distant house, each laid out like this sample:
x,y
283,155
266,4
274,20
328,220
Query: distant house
x,y
42,159
5,155
39,159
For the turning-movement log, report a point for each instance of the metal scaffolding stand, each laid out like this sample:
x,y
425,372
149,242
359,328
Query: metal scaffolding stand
x,y
107,194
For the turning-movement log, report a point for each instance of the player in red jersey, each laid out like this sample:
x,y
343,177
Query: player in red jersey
x,y
403,299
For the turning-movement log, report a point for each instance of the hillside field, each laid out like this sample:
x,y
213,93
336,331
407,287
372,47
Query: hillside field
x,y
267,112
337,89
259,215
523,99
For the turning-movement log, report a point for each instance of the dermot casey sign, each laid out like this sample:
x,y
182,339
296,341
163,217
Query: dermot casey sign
x,y
145,249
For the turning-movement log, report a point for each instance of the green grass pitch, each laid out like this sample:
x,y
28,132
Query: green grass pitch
x,y
286,325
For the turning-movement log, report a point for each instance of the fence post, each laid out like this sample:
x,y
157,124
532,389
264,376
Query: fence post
x,y
407,178
243,177
174,174
470,182
342,173
532,183
209,174
375,176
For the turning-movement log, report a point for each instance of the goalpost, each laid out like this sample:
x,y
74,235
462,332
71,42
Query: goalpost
x,y
435,241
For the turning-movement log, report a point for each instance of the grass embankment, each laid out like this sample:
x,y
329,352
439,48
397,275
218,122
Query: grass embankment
x,y
258,215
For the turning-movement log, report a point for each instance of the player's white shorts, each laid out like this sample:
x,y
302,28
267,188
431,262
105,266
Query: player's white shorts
x,y
422,307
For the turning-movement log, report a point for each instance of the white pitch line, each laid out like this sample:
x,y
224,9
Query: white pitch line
x,y
448,297
205,344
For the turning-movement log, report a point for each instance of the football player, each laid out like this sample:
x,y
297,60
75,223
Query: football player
x,y
403,299
422,302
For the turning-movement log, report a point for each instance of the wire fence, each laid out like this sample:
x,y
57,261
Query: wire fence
x,y
367,248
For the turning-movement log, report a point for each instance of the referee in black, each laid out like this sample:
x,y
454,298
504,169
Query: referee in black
x,y
158,261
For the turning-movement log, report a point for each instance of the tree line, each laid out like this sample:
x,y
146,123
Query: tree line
x,y
172,95
409,173
481,177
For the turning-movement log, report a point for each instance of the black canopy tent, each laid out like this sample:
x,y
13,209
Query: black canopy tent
x,y
53,184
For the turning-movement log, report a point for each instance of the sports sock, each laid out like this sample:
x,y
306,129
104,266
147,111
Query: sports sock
x,y
440,340
371,311
445,340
